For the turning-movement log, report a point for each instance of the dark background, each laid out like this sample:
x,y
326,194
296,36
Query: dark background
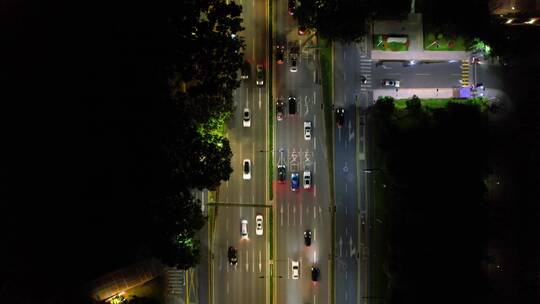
x,y
82,95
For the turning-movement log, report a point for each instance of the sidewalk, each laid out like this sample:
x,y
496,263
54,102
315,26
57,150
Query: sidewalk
x,y
421,55
420,92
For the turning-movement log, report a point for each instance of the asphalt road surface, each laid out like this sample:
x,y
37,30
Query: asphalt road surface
x,y
353,81
296,212
247,281
421,75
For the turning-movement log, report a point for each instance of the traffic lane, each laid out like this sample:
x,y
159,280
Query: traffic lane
x,y
346,211
291,223
426,75
251,257
491,76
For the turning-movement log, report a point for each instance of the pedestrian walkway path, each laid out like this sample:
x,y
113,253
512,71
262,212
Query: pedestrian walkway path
x,y
465,72
365,71
420,55
420,92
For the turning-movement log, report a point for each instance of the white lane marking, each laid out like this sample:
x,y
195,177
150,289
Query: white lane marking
x,y
346,277
346,188
344,55
301,263
314,96
288,216
346,210
422,74
346,294
314,234
294,215
314,191
314,121
253,260
247,261
340,246
288,263
260,261
314,213
260,99
314,257
320,214
227,287
314,76
247,98
281,212
314,299
314,143
300,214
253,41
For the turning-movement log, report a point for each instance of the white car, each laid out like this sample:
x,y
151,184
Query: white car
x,y
307,130
295,269
243,229
293,59
307,179
247,118
390,83
246,169
259,224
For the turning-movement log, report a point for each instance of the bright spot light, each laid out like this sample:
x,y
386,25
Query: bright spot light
x,y
513,8
509,21
412,62
533,20
233,36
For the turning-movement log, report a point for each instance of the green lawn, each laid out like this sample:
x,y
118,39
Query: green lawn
x,y
442,42
380,44
433,103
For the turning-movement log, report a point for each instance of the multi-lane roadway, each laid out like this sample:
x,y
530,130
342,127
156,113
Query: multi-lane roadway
x,y
243,199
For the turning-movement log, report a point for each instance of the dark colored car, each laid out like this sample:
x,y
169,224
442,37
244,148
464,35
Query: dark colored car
x,y
292,7
292,105
307,237
280,54
340,117
279,109
282,173
295,182
246,68
231,253
315,273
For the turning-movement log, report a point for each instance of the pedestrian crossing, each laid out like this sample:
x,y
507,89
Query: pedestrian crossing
x,y
175,281
365,73
465,68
